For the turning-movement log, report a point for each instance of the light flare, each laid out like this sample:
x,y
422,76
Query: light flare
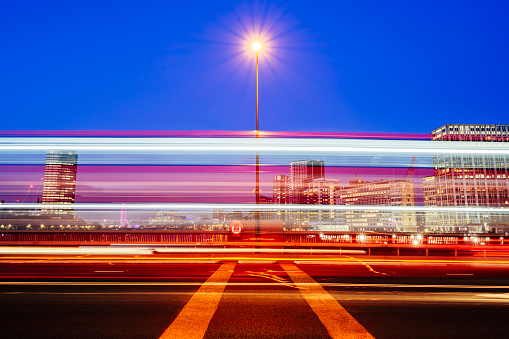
x,y
256,46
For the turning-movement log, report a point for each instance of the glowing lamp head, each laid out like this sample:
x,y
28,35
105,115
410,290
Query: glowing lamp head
x,y
256,46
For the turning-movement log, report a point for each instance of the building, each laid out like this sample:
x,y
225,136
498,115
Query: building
x,y
323,192
430,199
303,172
476,132
291,190
281,195
399,193
166,218
281,187
468,180
429,191
60,183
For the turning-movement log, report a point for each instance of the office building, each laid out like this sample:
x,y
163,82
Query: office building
x,y
429,193
469,180
303,172
281,187
323,192
60,183
398,193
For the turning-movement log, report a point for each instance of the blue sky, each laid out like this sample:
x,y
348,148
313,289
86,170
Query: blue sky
x,y
339,66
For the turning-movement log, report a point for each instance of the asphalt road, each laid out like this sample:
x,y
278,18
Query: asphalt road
x,y
113,300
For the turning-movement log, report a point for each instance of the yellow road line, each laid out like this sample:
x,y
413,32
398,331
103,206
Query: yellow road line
x,y
194,319
338,322
369,267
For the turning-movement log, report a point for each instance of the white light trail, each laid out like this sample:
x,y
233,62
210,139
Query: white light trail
x,y
283,145
208,207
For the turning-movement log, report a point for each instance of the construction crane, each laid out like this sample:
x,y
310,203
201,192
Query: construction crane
x,y
410,171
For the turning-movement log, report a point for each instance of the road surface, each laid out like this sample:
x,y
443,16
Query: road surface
x,y
253,299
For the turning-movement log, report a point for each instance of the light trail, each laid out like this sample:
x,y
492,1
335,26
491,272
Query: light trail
x,y
73,251
299,261
178,283
207,207
148,251
267,145
188,175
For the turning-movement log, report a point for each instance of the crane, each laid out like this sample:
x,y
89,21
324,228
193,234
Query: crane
x,y
410,172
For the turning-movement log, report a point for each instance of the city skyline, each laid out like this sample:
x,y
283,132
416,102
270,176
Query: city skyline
x,y
309,182
106,182
186,175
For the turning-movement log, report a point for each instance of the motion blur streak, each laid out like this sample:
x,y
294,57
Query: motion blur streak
x,y
87,207
279,182
271,145
193,321
153,283
88,250
339,323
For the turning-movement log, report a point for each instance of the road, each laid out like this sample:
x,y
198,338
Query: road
x,y
287,299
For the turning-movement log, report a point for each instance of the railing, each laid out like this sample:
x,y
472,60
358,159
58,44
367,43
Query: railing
x,y
108,237
287,238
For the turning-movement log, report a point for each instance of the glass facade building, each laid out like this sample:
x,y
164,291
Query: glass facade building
x,y
468,180
60,183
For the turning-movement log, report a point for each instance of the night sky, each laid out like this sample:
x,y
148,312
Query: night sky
x,y
342,66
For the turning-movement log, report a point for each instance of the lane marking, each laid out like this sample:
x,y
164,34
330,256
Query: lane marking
x,y
459,274
108,271
194,319
274,277
369,267
338,322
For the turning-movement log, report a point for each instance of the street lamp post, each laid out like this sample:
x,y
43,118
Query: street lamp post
x,y
256,47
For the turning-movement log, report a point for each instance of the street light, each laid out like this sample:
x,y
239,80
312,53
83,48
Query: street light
x,y
256,47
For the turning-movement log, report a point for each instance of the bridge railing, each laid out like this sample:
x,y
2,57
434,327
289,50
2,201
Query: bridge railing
x,y
287,238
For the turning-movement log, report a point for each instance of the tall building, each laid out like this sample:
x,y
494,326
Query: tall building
x,y
291,189
60,182
468,180
281,187
398,192
303,172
